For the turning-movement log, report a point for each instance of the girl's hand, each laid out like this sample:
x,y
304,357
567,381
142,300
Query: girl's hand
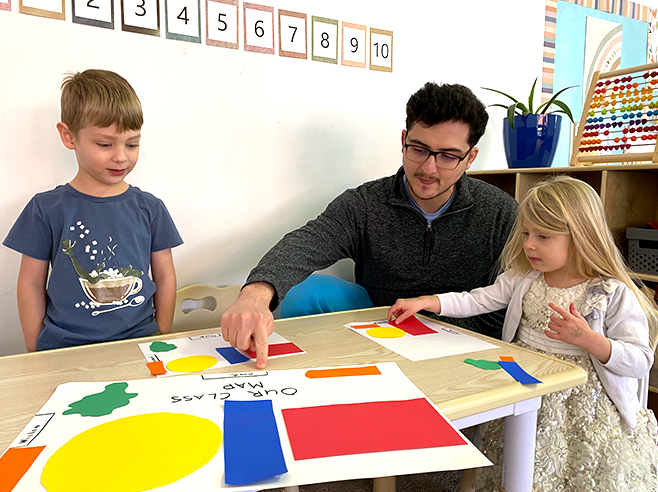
x,y
403,308
572,328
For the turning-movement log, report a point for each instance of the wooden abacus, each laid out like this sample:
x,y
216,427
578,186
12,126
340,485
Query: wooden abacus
x,y
620,113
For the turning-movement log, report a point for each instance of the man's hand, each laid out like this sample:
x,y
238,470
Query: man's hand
x,y
248,322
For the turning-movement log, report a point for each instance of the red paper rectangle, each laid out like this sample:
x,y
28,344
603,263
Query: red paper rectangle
x,y
338,430
413,326
279,349
14,464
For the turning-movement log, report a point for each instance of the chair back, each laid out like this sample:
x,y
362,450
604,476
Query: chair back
x,y
201,306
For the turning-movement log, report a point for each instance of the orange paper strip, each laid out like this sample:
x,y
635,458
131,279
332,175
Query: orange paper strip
x,y
13,465
345,371
156,367
358,327
506,358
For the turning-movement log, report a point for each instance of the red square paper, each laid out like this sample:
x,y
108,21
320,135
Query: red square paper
x,y
413,326
278,349
355,428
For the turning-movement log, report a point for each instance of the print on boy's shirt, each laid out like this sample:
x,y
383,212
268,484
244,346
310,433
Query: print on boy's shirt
x,y
104,286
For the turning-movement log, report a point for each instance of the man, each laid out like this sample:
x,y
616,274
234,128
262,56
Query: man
x,y
427,229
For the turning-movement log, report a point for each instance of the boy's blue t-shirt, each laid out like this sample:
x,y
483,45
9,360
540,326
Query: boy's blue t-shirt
x,y
84,238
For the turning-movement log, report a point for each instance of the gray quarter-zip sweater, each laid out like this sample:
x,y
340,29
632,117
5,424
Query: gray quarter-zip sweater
x,y
396,252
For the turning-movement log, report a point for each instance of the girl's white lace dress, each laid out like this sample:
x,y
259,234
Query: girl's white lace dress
x,y
583,444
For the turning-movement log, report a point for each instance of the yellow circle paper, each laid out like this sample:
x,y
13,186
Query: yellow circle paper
x,y
385,332
193,363
132,454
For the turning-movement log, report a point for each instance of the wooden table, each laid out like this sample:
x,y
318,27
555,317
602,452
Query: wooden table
x,y
28,380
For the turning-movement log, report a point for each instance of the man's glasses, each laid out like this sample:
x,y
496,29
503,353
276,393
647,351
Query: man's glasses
x,y
444,160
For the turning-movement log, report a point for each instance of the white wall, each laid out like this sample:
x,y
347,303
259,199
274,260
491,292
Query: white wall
x,y
243,147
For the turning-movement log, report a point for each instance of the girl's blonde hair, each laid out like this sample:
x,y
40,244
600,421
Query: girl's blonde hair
x,y
565,205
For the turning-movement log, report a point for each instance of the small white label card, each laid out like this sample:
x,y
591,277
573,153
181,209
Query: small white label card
x,y
141,16
5,5
292,34
258,28
183,20
98,13
222,21
354,45
325,40
53,9
381,50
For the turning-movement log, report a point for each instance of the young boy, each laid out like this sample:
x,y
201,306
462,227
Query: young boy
x,y
99,234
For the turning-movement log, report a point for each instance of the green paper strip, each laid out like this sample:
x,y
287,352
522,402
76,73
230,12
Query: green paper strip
x,y
487,365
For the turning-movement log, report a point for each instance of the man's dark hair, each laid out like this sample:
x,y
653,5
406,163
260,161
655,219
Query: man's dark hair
x,y
434,104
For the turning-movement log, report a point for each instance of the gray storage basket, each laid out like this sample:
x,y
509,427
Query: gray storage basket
x,y
643,250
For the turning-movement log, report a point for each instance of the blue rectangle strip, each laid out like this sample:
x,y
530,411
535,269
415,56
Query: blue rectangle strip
x,y
514,370
252,448
232,355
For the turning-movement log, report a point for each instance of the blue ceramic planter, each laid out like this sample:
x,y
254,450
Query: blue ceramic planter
x,y
533,141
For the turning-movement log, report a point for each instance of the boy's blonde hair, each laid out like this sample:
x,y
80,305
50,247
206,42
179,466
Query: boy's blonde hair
x,y
100,98
565,205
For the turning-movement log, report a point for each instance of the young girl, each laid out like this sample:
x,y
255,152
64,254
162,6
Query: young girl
x,y
569,294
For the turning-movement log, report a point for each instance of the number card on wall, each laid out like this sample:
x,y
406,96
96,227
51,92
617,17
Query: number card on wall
x,y
258,28
98,13
53,9
222,23
354,45
183,20
292,34
381,50
5,5
141,16
325,40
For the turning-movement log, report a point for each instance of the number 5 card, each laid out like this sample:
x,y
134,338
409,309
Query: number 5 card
x,y
222,23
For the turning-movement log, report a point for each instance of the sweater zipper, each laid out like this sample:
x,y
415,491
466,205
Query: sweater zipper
x,y
427,245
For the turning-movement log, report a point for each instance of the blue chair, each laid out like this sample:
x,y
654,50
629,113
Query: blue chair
x,y
321,293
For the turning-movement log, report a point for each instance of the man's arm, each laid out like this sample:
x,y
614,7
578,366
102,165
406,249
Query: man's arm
x,y
31,296
332,236
164,299
249,321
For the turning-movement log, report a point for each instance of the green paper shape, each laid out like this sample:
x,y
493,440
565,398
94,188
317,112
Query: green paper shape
x,y
487,365
99,404
162,347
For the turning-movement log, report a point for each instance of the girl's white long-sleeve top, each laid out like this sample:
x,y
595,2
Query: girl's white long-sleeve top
x,y
611,309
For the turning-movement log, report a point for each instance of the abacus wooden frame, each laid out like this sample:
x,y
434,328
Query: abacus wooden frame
x,y
580,159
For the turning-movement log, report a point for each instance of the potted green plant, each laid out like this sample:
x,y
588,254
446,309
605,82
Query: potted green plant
x,y
531,136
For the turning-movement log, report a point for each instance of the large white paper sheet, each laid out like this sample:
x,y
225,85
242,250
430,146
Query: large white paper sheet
x,y
443,342
204,396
